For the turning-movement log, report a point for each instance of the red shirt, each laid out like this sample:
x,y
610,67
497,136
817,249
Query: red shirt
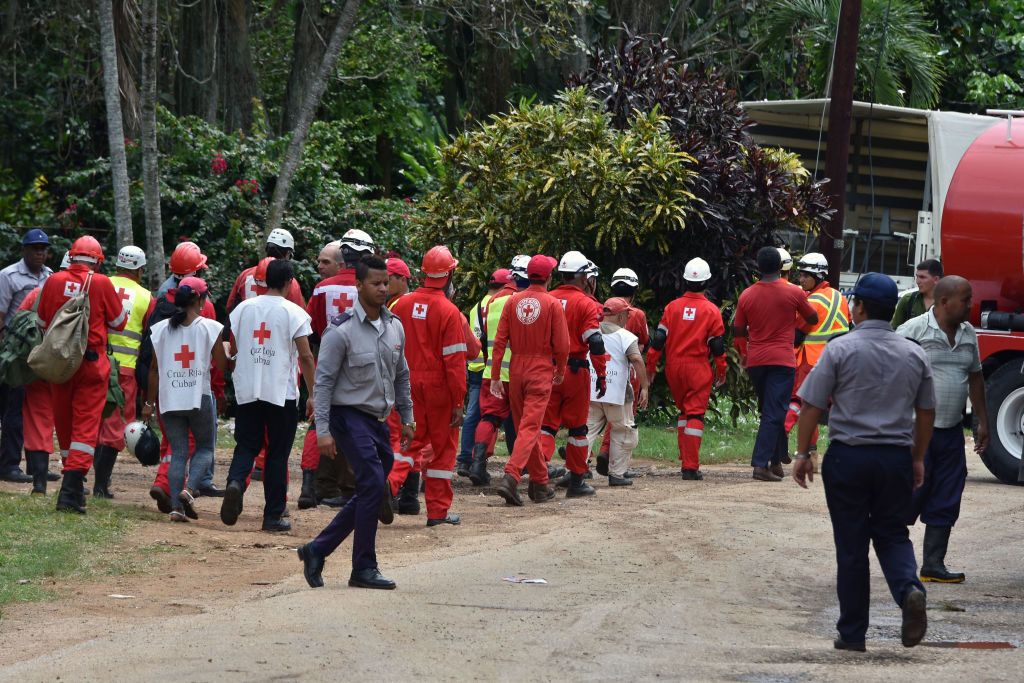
x,y
533,323
332,296
245,287
768,310
435,343
106,310
636,322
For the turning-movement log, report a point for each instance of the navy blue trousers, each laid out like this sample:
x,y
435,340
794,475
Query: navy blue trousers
x,y
937,502
278,424
366,443
868,490
472,417
12,436
773,385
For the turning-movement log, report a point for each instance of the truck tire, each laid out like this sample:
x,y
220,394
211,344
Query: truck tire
x,y
1004,398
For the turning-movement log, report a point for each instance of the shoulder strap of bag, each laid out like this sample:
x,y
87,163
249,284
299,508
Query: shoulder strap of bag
x,y
88,281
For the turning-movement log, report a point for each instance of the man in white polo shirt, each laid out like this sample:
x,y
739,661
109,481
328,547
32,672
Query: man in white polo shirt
x,y
269,343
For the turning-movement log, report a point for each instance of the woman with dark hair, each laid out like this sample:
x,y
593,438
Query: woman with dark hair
x,y
179,377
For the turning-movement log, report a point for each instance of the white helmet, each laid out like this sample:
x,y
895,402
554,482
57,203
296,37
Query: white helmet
x,y
592,269
787,260
519,265
141,442
697,270
281,238
626,276
813,263
131,258
65,262
574,262
356,240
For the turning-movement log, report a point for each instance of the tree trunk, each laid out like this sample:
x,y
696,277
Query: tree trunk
x,y
195,84
238,82
150,158
293,155
385,163
115,128
308,50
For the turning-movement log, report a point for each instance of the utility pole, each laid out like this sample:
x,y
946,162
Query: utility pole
x,y
840,113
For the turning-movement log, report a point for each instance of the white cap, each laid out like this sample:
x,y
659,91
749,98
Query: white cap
x,y
357,240
787,260
519,265
626,276
65,262
281,238
697,270
574,262
131,258
813,262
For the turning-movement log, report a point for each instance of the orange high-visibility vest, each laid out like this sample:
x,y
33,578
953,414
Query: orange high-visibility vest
x,y
833,320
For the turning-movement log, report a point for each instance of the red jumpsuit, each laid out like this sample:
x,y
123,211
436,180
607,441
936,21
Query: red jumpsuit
x,y
532,323
435,348
569,404
78,403
493,410
689,322
36,408
245,287
217,383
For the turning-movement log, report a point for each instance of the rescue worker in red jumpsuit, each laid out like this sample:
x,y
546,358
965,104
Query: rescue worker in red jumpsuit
x,y
533,322
690,330
495,408
435,348
78,403
280,244
398,280
570,400
332,481
37,413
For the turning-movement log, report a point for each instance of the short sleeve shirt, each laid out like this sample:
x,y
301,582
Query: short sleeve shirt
x,y
16,281
267,364
951,365
768,309
874,379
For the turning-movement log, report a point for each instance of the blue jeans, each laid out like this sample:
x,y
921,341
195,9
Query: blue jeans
x,y
366,443
868,490
205,477
773,385
202,423
472,418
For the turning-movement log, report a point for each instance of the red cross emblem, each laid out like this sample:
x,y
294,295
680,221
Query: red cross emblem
x,y
419,311
528,310
252,287
342,302
261,334
185,356
124,294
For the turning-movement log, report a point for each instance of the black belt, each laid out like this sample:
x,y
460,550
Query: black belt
x,y
578,363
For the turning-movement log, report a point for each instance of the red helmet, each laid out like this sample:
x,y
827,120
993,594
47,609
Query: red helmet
x,y
187,258
86,249
260,275
439,262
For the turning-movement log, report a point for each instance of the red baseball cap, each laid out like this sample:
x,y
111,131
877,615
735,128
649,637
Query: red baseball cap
x,y
501,276
396,266
540,267
615,305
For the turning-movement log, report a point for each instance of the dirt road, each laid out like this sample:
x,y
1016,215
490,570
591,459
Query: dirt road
x,y
726,579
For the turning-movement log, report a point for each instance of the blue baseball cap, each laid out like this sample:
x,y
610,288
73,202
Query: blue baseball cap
x,y
35,236
877,287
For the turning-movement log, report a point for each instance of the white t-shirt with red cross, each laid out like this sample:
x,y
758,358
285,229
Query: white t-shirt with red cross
x,y
183,356
267,364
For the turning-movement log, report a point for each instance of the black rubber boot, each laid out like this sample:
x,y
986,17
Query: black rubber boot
x,y
71,498
408,495
307,497
478,470
936,541
577,487
37,462
103,465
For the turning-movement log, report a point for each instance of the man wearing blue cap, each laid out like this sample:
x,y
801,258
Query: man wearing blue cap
x,y
16,281
882,412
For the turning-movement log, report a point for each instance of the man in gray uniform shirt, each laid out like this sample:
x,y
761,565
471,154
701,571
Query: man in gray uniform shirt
x,y
883,408
361,376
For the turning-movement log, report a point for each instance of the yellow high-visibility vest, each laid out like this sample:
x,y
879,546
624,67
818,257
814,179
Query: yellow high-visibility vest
x,y
475,315
491,320
125,344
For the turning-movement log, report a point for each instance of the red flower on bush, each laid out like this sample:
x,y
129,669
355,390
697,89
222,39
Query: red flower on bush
x,y
219,164
247,185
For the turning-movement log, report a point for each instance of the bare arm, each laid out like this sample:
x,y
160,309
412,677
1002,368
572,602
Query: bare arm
x,y
636,361
976,387
152,390
308,368
924,423
220,359
803,470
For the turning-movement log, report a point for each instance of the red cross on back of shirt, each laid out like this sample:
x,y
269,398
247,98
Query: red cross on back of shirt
x,y
185,356
261,334
124,294
253,287
420,309
342,302
528,310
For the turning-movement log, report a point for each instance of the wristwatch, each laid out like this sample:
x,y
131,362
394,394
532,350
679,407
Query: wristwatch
x,y
801,456
410,424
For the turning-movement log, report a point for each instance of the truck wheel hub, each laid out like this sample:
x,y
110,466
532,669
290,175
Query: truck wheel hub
x,y
1010,422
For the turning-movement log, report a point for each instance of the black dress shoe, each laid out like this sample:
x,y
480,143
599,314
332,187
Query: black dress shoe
x,y
451,518
370,578
163,501
841,644
312,565
915,618
231,507
211,491
17,476
276,525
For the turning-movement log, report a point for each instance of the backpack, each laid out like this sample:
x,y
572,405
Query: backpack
x,y
161,311
59,355
23,334
115,394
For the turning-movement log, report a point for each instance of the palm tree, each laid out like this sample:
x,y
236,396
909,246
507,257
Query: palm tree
x,y
897,58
